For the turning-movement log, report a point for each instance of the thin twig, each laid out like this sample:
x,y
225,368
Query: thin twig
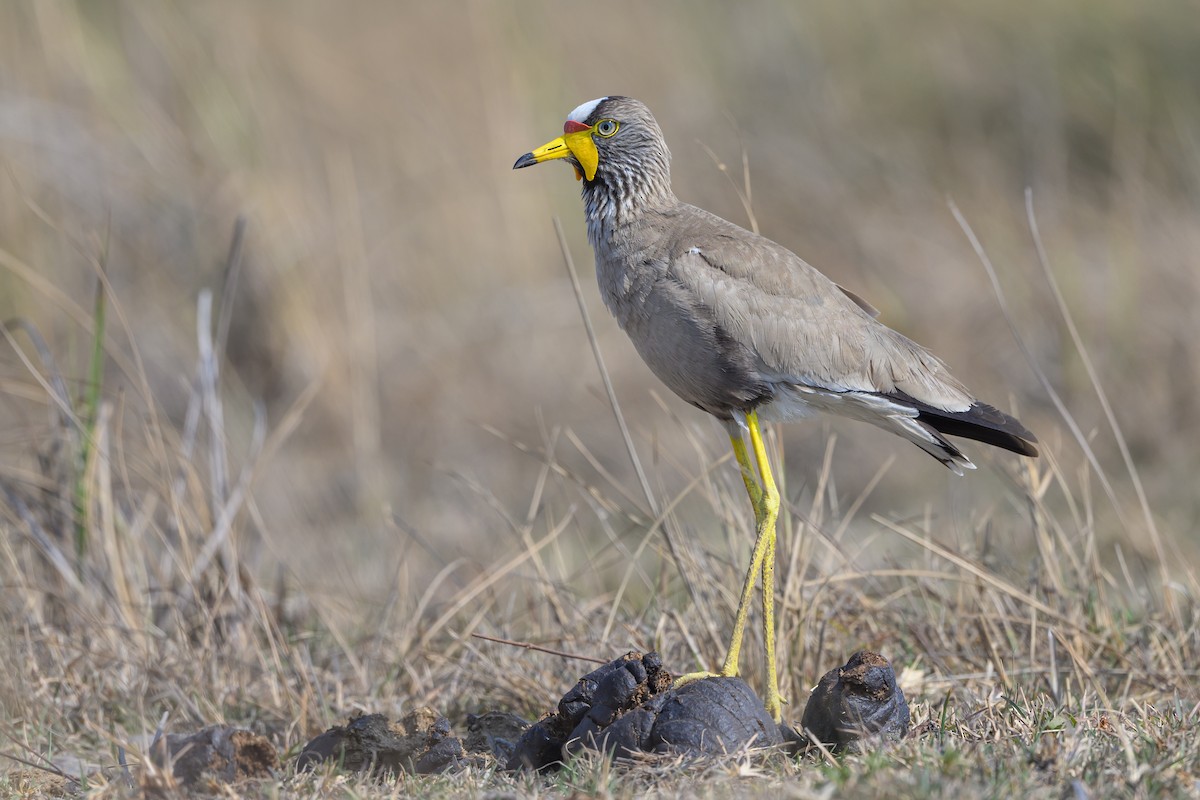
x,y
210,380
661,521
745,192
487,581
53,383
1057,400
1101,395
538,648
53,770
229,284
218,538
608,387
962,563
49,549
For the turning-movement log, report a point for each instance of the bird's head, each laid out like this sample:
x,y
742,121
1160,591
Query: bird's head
x,y
608,136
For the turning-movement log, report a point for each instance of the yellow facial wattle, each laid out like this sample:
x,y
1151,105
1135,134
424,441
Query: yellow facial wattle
x,y
577,143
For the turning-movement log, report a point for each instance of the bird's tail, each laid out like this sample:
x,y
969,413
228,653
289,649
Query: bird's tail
x,y
919,423
980,422
926,437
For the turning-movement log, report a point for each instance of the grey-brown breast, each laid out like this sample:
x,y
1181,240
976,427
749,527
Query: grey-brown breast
x,y
676,334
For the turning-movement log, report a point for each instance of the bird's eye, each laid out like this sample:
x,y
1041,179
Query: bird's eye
x,y
606,127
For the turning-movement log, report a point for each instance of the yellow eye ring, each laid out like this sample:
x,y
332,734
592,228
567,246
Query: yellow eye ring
x,y
607,127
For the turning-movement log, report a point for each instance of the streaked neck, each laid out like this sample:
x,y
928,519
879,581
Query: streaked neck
x,y
619,196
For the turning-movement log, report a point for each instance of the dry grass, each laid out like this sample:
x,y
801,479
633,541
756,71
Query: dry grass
x,y
389,433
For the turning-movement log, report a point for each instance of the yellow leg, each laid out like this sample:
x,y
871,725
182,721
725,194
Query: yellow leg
x,y
765,499
743,459
768,513
755,490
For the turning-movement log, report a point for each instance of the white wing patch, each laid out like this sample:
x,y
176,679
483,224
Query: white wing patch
x,y
581,113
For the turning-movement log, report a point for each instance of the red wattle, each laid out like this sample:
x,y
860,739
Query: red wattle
x,y
571,126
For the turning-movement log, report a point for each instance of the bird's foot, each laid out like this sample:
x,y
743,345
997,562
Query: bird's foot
x,y
692,677
774,704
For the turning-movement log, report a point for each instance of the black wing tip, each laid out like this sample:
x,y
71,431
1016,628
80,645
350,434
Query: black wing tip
x,y
1017,437
1022,447
981,422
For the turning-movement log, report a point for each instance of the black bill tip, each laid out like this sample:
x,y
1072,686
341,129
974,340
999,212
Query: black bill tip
x,y
526,160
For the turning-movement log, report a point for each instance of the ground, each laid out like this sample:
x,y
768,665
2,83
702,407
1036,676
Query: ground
x,y
299,422
1069,682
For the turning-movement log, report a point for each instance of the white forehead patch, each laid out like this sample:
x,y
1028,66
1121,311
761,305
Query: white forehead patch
x,y
581,113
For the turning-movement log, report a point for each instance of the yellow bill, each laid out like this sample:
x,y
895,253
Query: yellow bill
x,y
577,143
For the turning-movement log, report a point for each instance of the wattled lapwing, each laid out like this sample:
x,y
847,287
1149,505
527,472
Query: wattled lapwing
x,y
744,329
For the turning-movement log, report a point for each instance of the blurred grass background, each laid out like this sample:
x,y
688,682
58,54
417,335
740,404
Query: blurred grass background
x,y
397,265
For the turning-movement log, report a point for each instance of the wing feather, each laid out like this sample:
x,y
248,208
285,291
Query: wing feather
x,y
802,326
